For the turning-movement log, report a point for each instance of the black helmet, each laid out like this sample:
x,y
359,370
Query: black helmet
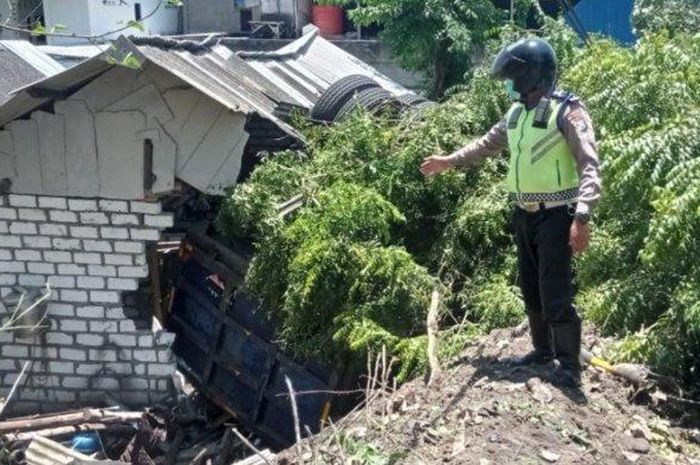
x,y
530,63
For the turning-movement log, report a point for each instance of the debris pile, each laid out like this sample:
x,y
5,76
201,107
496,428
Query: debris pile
x,y
189,432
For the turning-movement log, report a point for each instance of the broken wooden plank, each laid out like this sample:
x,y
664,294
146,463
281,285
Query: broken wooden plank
x,y
66,419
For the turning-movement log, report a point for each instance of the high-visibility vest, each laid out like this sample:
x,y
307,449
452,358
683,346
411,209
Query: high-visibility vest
x,y
541,161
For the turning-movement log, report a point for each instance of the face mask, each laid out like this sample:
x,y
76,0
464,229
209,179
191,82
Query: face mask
x,y
513,94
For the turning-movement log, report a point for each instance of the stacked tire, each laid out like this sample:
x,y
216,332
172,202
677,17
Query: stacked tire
x,y
358,91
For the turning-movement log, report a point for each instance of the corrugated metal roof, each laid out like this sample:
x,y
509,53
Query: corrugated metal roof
x,y
214,71
20,64
309,65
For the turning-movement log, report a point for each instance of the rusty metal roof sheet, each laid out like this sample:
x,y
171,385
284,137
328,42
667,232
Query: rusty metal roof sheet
x,y
306,67
213,70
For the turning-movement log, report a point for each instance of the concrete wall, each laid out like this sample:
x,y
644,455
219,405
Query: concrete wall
x,y
92,252
91,17
213,16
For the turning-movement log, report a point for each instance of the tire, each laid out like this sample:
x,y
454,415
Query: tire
x,y
338,94
411,99
372,100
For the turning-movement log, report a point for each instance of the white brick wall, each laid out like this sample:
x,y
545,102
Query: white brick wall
x,y
91,251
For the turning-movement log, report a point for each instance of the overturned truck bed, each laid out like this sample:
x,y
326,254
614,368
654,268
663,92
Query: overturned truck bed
x,y
224,343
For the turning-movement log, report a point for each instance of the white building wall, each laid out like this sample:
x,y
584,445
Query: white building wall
x,y
95,17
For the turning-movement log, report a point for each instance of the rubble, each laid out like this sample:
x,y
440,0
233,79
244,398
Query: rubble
x,y
188,432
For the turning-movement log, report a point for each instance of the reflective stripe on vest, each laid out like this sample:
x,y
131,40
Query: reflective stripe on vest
x,y
541,161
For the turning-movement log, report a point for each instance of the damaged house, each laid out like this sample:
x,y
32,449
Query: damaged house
x,y
101,167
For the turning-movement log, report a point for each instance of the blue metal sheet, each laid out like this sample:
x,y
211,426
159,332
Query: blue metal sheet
x,y
608,17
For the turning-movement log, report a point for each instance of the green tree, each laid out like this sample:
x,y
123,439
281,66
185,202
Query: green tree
x,y
440,38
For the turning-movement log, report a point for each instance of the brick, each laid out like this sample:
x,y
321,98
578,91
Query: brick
x,y
110,297
146,341
70,269
145,356
73,354
58,203
102,270
166,356
61,243
7,279
122,340
8,214
88,368
129,247
75,382
140,369
67,368
4,227
127,326
104,326
115,313
62,282
134,384
15,351
22,200
164,338
132,271
91,282
103,355
7,255
105,383
114,205
13,267
64,396
93,340
60,309
73,326
62,216
125,220
136,398
12,242
87,258
163,385
114,233
74,296
118,259
56,256
41,268
97,246
92,311
160,369
87,232
31,280
82,205
152,208
144,234
158,221
32,214
122,284
23,228
53,229
94,218
27,255
37,242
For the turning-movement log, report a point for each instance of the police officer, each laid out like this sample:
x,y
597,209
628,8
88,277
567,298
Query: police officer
x,y
554,182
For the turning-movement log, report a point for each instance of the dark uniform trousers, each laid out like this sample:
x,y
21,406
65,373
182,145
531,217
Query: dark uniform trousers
x,y
544,259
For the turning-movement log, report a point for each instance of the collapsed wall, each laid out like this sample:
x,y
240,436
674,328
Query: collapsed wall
x,y
93,254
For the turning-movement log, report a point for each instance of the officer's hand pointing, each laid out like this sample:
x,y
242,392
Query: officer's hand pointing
x,y
436,164
579,237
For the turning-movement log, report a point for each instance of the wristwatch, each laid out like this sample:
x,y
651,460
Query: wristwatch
x,y
582,218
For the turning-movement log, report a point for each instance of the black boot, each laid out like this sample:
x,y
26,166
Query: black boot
x,y
541,341
567,349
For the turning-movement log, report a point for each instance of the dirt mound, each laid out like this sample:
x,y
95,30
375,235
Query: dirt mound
x,y
483,411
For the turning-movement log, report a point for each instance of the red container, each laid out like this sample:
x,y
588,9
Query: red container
x,y
328,19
